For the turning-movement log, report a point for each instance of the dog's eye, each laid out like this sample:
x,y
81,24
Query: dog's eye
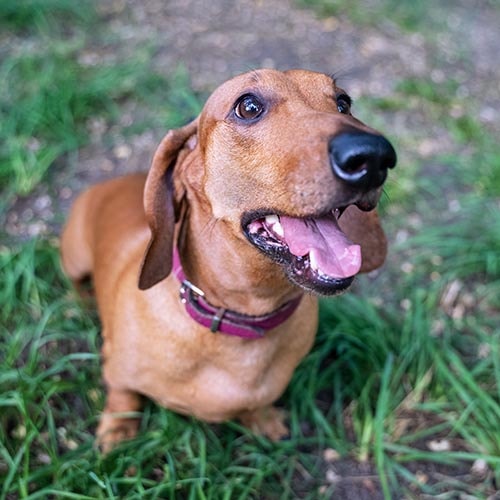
x,y
248,107
344,104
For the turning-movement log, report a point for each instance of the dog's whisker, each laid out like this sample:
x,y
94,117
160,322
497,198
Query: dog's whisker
x,y
210,225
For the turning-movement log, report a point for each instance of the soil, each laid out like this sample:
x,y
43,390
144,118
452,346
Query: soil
x,y
218,39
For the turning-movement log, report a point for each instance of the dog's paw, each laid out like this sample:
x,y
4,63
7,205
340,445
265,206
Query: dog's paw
x,y
268,421
112,430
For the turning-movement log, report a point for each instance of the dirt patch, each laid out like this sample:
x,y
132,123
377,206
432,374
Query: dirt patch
x,y
216,40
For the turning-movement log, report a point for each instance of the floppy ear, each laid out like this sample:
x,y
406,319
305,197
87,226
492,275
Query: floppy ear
x,y
160,207
364,229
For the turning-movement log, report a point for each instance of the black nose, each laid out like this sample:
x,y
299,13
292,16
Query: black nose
x,y
361,159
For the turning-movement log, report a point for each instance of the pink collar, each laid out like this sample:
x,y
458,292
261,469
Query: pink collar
x,y
224,320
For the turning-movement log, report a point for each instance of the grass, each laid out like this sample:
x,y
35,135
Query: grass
x,y
408,359
424,16
408,14
49,91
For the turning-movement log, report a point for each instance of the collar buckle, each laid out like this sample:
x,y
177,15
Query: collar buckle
x,y
220,319
186,288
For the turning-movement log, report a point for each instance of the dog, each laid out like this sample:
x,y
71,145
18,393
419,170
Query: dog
x,y
207,271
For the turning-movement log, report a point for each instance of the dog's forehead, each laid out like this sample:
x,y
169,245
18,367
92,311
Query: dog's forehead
x,y
269,82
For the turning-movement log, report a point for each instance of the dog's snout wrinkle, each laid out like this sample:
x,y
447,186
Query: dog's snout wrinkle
x,y
361,159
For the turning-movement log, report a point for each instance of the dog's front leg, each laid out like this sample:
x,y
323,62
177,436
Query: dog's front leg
x,y
119,420
267,421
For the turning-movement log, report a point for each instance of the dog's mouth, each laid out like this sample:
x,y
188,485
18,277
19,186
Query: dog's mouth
x,y
314,251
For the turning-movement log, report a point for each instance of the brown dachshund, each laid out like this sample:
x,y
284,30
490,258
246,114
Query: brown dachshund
x,y
207,272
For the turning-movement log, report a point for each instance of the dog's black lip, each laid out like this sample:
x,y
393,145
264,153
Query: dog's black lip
x,y
305,278
366,206
323,287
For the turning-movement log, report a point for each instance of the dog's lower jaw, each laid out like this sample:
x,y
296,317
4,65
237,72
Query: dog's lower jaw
x,y
321,288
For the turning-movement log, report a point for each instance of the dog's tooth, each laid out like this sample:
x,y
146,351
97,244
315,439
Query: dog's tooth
x,y
273,222
313,263
278,229
272,219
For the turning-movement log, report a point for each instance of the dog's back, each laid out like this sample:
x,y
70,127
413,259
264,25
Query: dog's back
x,y
101,227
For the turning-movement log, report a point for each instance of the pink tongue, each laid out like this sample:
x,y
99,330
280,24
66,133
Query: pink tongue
x,y
335,255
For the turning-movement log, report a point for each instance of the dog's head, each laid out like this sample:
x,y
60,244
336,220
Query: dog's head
x,y
280,159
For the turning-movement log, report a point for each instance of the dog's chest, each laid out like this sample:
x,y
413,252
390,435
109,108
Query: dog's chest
x,y
215,378
185,367
218,383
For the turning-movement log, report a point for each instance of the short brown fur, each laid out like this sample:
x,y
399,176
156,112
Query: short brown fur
x,y
204,176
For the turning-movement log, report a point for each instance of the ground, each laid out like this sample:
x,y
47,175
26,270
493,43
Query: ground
x,y
214,41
